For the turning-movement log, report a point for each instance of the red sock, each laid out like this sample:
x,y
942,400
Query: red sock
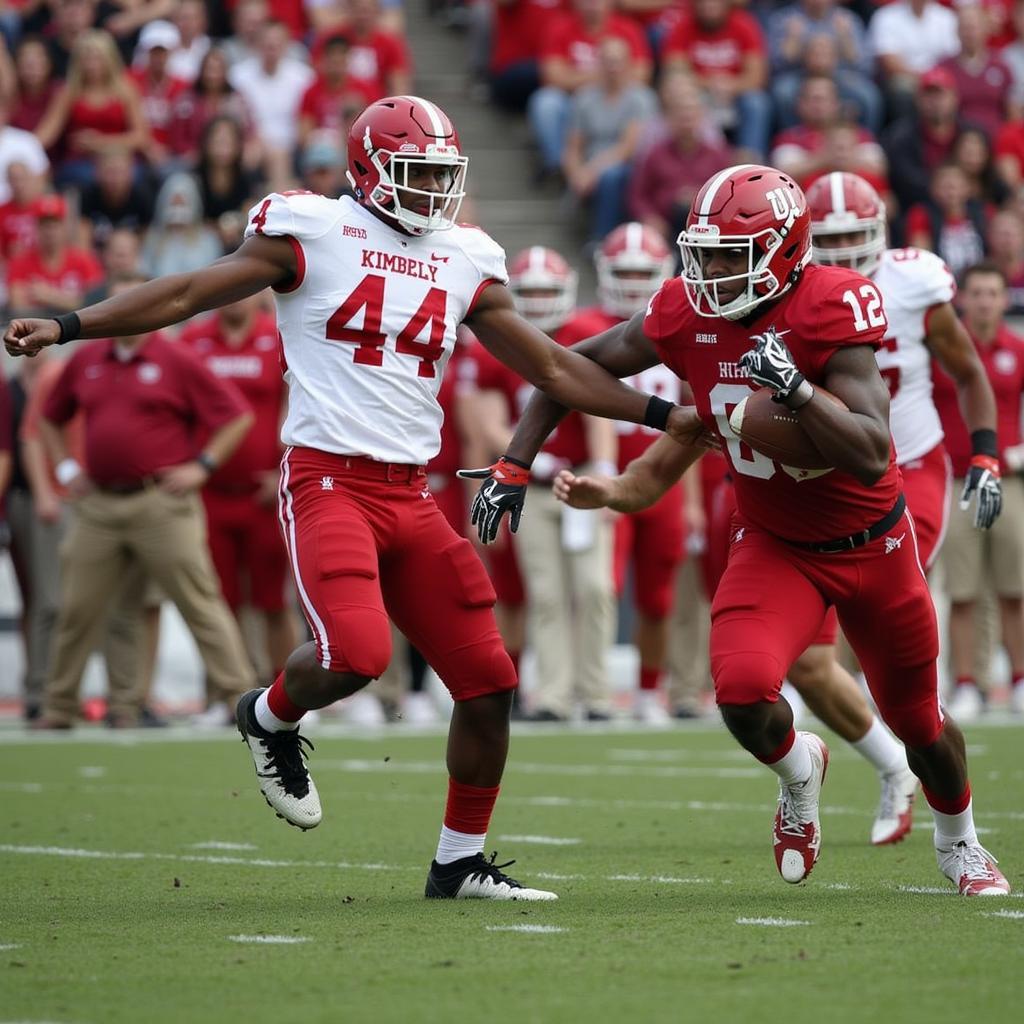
x,y
514,658
781,750
1018,678
649,677
946,806
469,807
965,681
281,704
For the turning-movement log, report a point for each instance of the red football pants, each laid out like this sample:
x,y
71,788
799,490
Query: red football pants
x,y
771,602
363,548
654,541
245,545
926,486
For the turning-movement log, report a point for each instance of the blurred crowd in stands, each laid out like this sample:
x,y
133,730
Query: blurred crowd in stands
x,y
136,134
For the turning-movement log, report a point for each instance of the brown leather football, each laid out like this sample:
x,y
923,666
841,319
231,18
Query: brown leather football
x,y
771,429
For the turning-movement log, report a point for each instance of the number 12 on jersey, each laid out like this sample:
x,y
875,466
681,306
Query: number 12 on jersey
x,y
870,313
369,340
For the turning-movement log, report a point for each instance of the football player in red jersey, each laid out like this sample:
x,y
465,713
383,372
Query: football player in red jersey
x,y
747,310
369,292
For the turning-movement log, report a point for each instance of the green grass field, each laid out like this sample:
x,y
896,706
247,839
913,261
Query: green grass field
x,y
129,870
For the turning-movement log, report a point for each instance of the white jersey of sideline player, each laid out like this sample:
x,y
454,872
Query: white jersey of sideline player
x,y
369,324
911,282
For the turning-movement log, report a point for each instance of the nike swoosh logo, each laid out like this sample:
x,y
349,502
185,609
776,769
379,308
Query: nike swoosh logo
x,y
438,259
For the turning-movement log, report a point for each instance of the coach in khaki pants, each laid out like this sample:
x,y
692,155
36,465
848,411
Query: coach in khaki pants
x,y
136,501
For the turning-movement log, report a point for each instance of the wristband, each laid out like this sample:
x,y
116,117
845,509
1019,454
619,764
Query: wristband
x,y
206,460
66,470
510,471
983,442
70,327
799,396
656,413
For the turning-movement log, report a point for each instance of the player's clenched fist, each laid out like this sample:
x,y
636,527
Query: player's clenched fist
x,y
685,426
27,337
582,491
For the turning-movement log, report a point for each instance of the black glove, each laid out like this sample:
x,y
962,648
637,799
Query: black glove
x,y
770,364
503,490
983,480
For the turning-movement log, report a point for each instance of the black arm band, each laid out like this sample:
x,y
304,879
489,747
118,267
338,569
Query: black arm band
x,y
70,327
206,460
656,413
983,442
516,462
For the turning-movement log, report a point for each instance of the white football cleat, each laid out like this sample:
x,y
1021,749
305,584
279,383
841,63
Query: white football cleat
x,y
419,709
216,716
280,763
966,703
895,808
797,831
649,710
972,869
476,878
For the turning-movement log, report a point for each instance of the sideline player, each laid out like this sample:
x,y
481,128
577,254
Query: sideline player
x,y
369,294
748,308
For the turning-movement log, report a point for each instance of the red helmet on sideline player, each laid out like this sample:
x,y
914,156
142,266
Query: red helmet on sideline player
x,y
543,286
845,204
384,140
749,207
632,264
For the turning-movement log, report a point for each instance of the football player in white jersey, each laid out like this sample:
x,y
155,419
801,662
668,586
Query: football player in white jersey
x,y
369,292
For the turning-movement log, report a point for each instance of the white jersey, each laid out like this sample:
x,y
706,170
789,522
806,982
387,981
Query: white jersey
x,y
911,282
369,324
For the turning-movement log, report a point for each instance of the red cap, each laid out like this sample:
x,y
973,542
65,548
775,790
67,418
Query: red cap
x,y
50,206
938,78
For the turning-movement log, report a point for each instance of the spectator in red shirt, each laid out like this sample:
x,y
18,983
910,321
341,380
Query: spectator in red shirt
x,y
668,174
1005,238
142,399
158,88
516,31
378,60
334,97
983,81
724,48
35,83
949,223
806,151
18,215
53,277
568,61
239,344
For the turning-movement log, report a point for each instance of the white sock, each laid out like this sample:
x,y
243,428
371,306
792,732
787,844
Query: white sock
x,y
954,828
267,720
881,748
796,766
455,845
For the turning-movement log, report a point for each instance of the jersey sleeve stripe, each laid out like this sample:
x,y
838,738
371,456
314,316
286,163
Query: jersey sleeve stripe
x,y
485,283
300,269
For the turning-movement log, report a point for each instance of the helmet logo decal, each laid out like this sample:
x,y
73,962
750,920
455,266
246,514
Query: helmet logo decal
x,y
783,206
367,141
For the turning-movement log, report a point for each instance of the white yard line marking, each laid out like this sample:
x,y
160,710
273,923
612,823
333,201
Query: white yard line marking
x,y
533,929
92,771
771,922
10,945
21,787
662,879
216,844
270,940
552,876
1012,915
541,840
372,765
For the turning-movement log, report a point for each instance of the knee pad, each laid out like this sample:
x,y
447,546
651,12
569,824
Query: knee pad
x,y
915,725
364,648
745,678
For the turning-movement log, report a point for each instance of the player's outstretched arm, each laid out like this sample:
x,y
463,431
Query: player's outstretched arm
x,y
643,482
258,263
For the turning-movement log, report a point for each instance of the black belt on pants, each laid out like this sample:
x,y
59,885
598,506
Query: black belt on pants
x,y
126,486
855,540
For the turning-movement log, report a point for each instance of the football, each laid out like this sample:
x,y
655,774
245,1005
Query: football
x,y
772,430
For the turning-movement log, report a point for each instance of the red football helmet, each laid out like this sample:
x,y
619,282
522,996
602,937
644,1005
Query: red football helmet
x,y
389,136
543,286
753,208
844,204
632,264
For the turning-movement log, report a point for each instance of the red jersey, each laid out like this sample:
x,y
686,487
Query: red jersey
x,y
328,107
720,51
158,102
518,30
142,414
829,309
1004,363
76,271
449,458
17,229
569,39
254,367
371,60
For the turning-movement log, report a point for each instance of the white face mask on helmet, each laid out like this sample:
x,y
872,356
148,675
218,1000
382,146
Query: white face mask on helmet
x,y
860,256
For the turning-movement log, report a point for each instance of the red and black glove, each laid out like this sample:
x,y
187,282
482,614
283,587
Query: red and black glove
x,y
503,490
983,480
